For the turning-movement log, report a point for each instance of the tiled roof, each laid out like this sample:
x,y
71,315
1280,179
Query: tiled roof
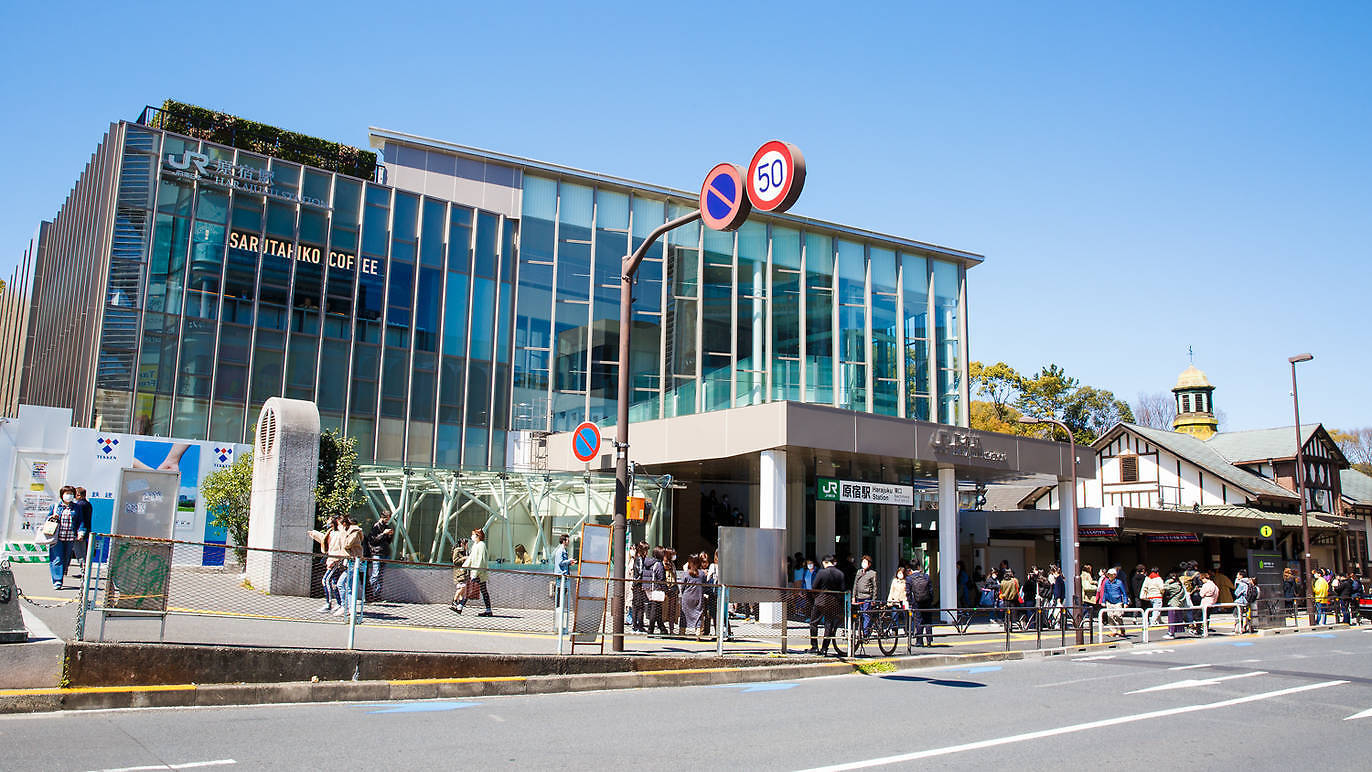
x,y
1260,444
1005,498
1356,486
1207,458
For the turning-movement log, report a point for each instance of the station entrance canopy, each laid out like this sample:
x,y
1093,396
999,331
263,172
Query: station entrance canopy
x,y
842,437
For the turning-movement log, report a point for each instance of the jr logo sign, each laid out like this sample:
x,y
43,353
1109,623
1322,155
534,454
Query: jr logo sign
x,y
189,160
827,490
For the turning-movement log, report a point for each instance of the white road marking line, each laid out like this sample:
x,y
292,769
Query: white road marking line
x,y
1245,661
186,765
950,749
1194,682
1365,714
1093,659
1146,652
494,717
1084,680
1188,667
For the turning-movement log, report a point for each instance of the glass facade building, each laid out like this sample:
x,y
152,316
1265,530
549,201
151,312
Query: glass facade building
x,y
469,296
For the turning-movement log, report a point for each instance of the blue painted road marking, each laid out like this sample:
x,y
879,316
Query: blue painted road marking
x,y
1319,635
981,669
767,687
1241,643
421,707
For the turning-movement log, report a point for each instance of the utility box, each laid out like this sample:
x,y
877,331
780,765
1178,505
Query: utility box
x,y
12,628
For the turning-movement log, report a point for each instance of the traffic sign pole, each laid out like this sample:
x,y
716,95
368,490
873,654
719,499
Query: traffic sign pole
x,y
620,526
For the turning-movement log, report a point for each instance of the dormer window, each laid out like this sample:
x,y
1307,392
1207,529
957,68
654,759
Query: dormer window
x,y
1186,403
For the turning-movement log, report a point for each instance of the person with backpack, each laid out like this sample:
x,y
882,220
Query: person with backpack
x,y
919,594
1319,586
1347,591
1009,594
1245,595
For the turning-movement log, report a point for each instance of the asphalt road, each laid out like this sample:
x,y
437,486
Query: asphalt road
x,y
1256,703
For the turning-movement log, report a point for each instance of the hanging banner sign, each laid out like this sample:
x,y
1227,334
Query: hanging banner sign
x,y
1096,532
1173,538
829,489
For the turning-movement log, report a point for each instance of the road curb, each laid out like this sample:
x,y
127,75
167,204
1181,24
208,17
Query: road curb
x,y
209,695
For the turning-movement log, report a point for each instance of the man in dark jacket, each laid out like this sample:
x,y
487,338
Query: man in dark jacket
x,y
919,595
829,585
378,547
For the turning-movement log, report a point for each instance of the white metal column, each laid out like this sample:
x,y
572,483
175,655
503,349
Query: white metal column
x,y
1067,500
771,511
947,536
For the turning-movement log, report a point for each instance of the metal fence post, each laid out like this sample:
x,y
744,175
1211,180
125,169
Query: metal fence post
x,y
559,610
722,622
352,602
85,588
848,604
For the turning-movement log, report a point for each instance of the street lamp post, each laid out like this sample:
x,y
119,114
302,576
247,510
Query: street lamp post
x,y
1300,487
620,526
1076,543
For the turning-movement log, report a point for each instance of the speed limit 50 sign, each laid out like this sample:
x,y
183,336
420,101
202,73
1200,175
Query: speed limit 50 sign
x,y
775,176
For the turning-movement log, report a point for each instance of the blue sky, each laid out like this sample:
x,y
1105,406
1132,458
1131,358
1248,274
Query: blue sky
x,y
1141,178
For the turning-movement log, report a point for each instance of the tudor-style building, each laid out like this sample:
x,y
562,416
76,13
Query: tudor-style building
x,y
1199,494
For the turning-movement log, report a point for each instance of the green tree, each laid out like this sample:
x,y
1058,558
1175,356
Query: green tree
x,y
1047,393
228,498
1091,412
338,491
1000,384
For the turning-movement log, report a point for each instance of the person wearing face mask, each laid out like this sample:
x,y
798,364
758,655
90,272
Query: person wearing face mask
x,y
84,512
865,591
68,531
476,571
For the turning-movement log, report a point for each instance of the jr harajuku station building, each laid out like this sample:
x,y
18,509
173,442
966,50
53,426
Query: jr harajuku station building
x,y
456,311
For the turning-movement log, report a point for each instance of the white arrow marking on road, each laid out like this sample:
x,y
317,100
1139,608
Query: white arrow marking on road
x,y
1061,730
186,765
1093,659
1365,714
1188,667
1193,682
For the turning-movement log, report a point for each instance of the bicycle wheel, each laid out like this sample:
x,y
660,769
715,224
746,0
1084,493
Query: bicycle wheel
x,y
888,633
842,646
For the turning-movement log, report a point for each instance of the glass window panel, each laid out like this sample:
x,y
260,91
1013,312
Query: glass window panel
x,y
405,224
428,297
915,280
395,376
281,220
247,213
301,367
419,448
347,198
449,447
451,389
226,422
197,359
268,360
852,281
460,239
174,198
455,315
312,227
285,175
213,206
273,294
487,234
572,349
206,261
422,394
315,185
435,221
191,417
167,263
309,282
483,318
333,383
819,319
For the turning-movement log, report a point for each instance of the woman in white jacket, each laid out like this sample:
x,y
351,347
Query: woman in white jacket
x,y
476,572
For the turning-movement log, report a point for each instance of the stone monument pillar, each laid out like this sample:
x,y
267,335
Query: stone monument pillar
x,y
284,473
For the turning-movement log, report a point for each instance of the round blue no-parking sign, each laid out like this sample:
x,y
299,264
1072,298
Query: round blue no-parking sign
x,y
724,202
586,441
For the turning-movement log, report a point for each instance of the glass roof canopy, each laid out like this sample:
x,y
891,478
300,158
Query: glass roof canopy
x,y
435,507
